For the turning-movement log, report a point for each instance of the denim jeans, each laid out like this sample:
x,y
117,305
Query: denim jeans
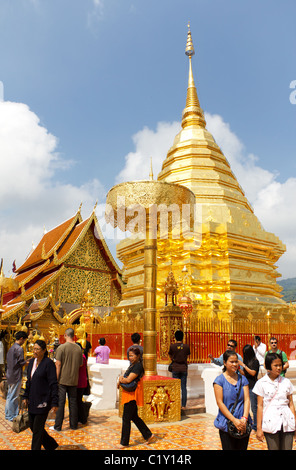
x,y
12,401
183,377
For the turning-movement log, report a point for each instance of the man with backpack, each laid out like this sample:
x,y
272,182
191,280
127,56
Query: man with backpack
x,y
274,349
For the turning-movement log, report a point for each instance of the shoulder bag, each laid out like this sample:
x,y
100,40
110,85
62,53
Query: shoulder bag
x,y
130,387
21,421
232,430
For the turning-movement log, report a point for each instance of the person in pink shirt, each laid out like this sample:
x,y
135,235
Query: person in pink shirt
x,y
102,352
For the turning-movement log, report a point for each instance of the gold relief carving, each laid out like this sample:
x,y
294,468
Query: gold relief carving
x,y
160,403
72,282
47,291
162,400
164,338
87,254
170,320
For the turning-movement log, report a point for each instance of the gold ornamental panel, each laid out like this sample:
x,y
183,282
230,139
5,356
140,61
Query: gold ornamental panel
x,y
162,400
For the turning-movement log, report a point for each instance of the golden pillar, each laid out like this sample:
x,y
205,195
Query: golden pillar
x,y
146,207
141,206
150,275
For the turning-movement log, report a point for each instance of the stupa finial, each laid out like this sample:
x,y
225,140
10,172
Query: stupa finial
x,y
192,114
189,46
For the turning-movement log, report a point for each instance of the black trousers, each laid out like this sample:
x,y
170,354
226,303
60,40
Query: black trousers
x,y
65,390
40,435
230,443
130,414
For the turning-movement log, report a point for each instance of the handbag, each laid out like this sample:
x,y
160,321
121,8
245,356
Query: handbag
x,y
130,387
170,368
21,421
232,430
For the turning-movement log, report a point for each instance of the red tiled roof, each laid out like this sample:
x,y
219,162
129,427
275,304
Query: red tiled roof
x,y
49,242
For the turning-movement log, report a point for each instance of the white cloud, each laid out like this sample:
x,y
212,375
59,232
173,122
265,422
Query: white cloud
x,y
272,201
31,195
149,145
275,207
27,153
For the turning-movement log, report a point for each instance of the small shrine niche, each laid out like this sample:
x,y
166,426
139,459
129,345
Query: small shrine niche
x,y
170,290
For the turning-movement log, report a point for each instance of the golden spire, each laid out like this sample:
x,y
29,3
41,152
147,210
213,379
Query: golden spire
x,y
189,46
192,114
151,170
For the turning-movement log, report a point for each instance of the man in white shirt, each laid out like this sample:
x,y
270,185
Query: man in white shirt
x,y
260,350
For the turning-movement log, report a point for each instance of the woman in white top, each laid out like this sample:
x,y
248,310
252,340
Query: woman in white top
x,y
276,419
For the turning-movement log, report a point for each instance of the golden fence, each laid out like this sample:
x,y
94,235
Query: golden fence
x,y
205,336
210,336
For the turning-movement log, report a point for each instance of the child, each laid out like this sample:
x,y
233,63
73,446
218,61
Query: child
x,y
276,412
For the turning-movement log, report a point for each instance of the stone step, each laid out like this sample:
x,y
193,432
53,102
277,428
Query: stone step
x,y
194,407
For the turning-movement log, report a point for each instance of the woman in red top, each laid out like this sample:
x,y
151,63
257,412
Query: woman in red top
x,y
83,407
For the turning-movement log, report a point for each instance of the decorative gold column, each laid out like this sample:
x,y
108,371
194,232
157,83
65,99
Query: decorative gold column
x,y
141,205
150,275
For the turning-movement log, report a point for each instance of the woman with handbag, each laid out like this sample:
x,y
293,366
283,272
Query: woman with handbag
x,y
276,418
131,397
41,396
232,396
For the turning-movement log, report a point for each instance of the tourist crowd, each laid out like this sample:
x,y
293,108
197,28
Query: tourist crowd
x,y
248,400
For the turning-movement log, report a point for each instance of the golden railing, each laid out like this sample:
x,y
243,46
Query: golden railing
x,y
204,335
210,336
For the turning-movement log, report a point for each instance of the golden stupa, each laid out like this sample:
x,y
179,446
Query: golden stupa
x,y
230,258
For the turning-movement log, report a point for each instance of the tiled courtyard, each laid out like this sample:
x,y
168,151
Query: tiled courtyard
x,y
102,432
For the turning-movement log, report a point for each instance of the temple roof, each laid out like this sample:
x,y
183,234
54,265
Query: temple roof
x,y
46,262
50,242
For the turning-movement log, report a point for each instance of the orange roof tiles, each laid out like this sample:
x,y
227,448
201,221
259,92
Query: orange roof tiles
x,y
50,241
45,263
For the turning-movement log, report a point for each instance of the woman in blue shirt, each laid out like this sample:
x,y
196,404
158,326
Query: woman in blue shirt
x,y
226,387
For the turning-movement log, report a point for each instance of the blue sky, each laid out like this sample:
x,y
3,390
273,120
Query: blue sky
x,y
94,88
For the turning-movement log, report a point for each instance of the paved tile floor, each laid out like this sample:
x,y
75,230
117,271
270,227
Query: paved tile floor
x,y
102,432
